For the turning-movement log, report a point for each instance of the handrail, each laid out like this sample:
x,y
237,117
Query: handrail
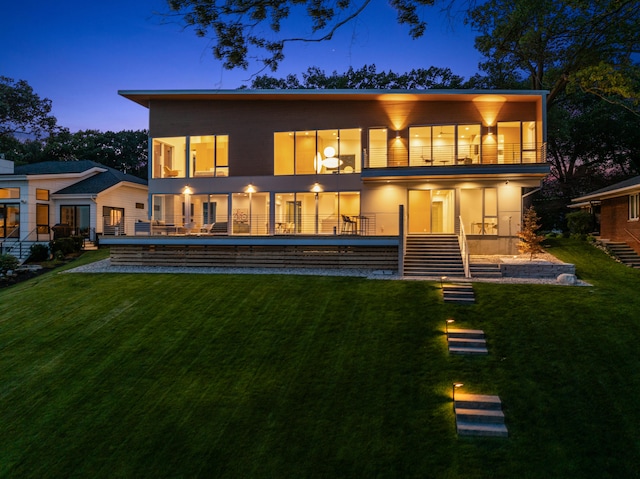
x,y
632,235
464,249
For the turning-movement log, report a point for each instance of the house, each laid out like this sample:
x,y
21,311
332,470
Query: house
x,y
321,170
618,209
70,197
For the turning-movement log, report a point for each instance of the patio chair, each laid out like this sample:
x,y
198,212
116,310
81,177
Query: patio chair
x,y
348,225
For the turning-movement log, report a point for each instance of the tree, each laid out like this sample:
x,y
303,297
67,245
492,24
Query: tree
x,y
530,240
237,27
366,77
23,114
124,150
584,45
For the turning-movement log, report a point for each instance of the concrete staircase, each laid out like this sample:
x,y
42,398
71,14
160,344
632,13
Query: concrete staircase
x,y
460,293
479,415
624,253
485,270
19,249
433,255
467,341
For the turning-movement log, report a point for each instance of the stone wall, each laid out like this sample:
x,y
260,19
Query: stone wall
x,y
536,270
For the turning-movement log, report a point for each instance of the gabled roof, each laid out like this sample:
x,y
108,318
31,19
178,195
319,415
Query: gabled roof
x,y
99,183
57,167
610,191
103,180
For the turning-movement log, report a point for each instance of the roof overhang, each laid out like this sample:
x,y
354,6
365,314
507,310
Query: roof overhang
x,y
608,194
144,97
535,171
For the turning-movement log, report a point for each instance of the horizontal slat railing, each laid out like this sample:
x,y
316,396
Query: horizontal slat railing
x,y
259,256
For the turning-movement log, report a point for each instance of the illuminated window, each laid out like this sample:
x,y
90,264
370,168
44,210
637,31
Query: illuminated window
x,y
42,195
9,193
317,152
209,155
444,145
634,206
378,148
42,218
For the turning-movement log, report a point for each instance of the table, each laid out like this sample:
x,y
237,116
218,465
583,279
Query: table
x,y
362,224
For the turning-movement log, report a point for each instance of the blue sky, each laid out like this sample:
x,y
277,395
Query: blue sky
x,y
80,53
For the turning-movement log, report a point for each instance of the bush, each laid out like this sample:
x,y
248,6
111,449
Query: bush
x,y
8,263
38,252
66,246
580,224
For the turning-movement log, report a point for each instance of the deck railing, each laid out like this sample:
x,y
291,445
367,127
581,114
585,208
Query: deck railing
x,y
450,155
363,224
464,248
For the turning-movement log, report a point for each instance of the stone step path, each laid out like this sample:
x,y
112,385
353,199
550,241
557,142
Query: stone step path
x,y
479,415
467,341
460,293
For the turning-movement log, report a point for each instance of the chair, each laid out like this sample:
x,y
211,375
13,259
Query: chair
x,y
169,173
348,225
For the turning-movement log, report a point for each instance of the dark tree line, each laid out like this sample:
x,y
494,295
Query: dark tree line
x,y
30,134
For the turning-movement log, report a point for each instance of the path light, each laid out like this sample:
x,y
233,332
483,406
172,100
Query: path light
x,y
442,280
446,325
455,386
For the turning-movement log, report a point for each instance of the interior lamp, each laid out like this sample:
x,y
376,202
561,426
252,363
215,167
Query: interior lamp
x,y
331,161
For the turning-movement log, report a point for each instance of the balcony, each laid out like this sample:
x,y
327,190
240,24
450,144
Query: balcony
x,y
432,156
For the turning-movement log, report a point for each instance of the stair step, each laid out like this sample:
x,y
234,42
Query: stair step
x,y
466,333
478,401
467,342
484,416
486,430
472,351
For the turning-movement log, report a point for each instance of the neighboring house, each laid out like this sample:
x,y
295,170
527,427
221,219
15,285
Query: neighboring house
x,y
296,167
84,197
618,209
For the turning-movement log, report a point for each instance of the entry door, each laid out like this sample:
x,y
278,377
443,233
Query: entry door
x,y
431,212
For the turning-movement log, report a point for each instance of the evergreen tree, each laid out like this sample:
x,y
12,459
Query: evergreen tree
x,y
530,240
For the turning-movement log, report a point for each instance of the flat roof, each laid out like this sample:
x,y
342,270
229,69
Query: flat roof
x,y
143,97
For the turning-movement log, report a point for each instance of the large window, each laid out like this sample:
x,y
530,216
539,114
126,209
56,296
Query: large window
x,y
479,211
634,206
10,220
444,145
317,213
517,142
77,217
169,159
378,147
317,152
209,155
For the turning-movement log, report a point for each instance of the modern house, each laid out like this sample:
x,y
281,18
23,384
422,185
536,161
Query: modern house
x,y
74,197
618,209
298,176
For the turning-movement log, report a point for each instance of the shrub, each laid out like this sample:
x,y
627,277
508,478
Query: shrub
x,y
65,246
38,252
580,224
8,263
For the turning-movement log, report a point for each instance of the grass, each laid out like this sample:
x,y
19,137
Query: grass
x,y
135,375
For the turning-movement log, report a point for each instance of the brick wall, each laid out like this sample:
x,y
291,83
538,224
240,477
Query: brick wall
x,y
615,224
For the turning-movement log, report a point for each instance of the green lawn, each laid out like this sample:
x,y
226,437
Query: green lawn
x,y
239,376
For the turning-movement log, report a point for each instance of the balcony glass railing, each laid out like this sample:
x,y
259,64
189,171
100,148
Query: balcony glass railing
x,y
450,155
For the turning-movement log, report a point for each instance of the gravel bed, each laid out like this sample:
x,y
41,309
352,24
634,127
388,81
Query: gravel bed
x,y
104,266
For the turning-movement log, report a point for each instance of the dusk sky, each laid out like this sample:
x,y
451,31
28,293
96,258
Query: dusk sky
x,y
79,54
